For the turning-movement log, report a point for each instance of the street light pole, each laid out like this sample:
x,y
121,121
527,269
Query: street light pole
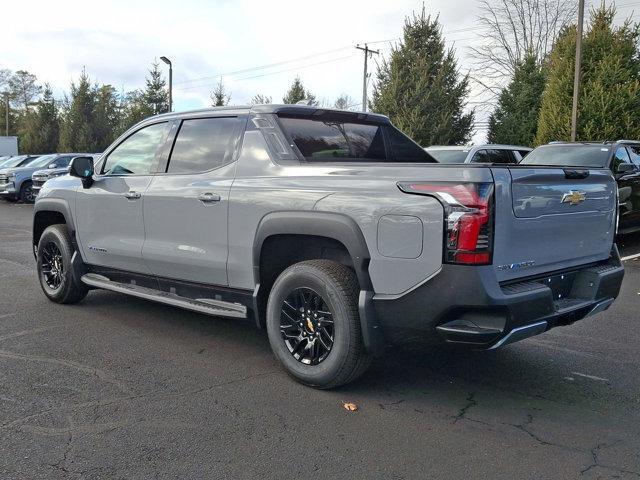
x,y
576,74
168,62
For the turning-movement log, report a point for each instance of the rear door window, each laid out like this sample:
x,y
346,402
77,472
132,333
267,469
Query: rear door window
x,y
203,144
338,140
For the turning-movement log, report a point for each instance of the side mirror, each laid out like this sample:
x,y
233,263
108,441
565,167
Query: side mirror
x,y
625,168
82,167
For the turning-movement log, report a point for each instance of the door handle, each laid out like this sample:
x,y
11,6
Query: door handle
x,y
209,197
132,195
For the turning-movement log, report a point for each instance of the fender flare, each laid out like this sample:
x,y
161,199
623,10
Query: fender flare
x,y
337,227
54,205
334,226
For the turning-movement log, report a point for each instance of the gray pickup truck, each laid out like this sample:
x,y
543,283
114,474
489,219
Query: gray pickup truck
x,y
332,230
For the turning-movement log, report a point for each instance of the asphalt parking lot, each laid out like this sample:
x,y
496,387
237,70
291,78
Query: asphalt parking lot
x,y
117,387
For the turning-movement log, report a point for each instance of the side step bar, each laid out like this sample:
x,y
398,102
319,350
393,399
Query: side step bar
x,y
202,305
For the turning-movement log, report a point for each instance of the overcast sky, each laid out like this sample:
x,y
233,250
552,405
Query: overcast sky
x,y
258,46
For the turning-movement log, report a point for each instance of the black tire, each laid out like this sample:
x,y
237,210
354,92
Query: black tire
x,y
338,288
55,242
26,192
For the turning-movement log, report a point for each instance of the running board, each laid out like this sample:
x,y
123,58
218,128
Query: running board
x,y
202,305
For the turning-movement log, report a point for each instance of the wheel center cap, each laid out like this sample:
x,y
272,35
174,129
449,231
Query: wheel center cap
x,y
310,325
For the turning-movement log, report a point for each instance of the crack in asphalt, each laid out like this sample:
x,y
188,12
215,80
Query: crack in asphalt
x,y
101,403
101,374
471,402
595,463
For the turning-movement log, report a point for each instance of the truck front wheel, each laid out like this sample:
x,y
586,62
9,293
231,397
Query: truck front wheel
x,y
313,323
54,253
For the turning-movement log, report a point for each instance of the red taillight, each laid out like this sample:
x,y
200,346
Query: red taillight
x,y
468,218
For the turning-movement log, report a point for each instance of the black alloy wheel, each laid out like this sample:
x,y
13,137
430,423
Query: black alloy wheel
x,y
306,325
52,270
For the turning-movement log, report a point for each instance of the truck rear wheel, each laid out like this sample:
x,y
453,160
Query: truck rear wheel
x,y
54,254
313,324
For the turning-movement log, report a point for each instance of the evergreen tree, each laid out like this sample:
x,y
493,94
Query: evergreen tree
x,y
515,119
219,96
419,87
156,96
106,119
78,115
132,109
297,92
609,97
41,128
23,89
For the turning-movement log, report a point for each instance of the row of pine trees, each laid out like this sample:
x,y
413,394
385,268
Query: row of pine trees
x,y
418,85
535,108
88,119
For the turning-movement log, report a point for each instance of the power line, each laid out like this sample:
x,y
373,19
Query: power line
x,y
262,67
206,85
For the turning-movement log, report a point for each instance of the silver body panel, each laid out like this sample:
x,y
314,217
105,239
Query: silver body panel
x,y
168,232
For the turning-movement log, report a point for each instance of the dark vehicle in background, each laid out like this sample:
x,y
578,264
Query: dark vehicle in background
x,y
15,182
56,169
622,157
489,153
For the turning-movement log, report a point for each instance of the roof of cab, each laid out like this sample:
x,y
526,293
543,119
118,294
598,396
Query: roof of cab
x,y
294,110
466,148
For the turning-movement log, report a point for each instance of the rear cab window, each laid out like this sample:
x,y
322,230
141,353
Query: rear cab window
x,y
337,139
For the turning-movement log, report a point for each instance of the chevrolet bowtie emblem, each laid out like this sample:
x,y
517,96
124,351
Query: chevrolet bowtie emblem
x,y
573,197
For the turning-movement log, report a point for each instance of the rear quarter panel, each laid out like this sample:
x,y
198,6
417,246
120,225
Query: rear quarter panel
x,y
363,192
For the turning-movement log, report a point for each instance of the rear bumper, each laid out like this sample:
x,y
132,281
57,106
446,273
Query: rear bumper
x,y
467,305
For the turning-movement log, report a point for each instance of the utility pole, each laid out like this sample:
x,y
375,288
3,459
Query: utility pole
x,y
366,51
576,74
6,113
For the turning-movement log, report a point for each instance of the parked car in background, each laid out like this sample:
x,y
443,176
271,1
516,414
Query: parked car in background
x,y
56,169
489,153
15,180
17,161
4,158
331,229
622,157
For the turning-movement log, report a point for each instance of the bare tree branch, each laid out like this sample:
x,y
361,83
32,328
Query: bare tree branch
x,y
513,29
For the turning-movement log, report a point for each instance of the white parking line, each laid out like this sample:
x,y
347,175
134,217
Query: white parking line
x,y
630,257
591,377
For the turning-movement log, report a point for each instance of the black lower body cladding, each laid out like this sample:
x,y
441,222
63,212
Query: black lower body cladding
x,y
467,305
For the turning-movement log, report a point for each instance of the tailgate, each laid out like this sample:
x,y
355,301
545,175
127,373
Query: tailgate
x,y
550,218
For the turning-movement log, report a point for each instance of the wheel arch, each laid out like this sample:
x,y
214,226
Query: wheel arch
x,y
48,212
332,226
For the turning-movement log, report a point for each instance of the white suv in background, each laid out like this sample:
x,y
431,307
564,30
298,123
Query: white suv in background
x,y
489,153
